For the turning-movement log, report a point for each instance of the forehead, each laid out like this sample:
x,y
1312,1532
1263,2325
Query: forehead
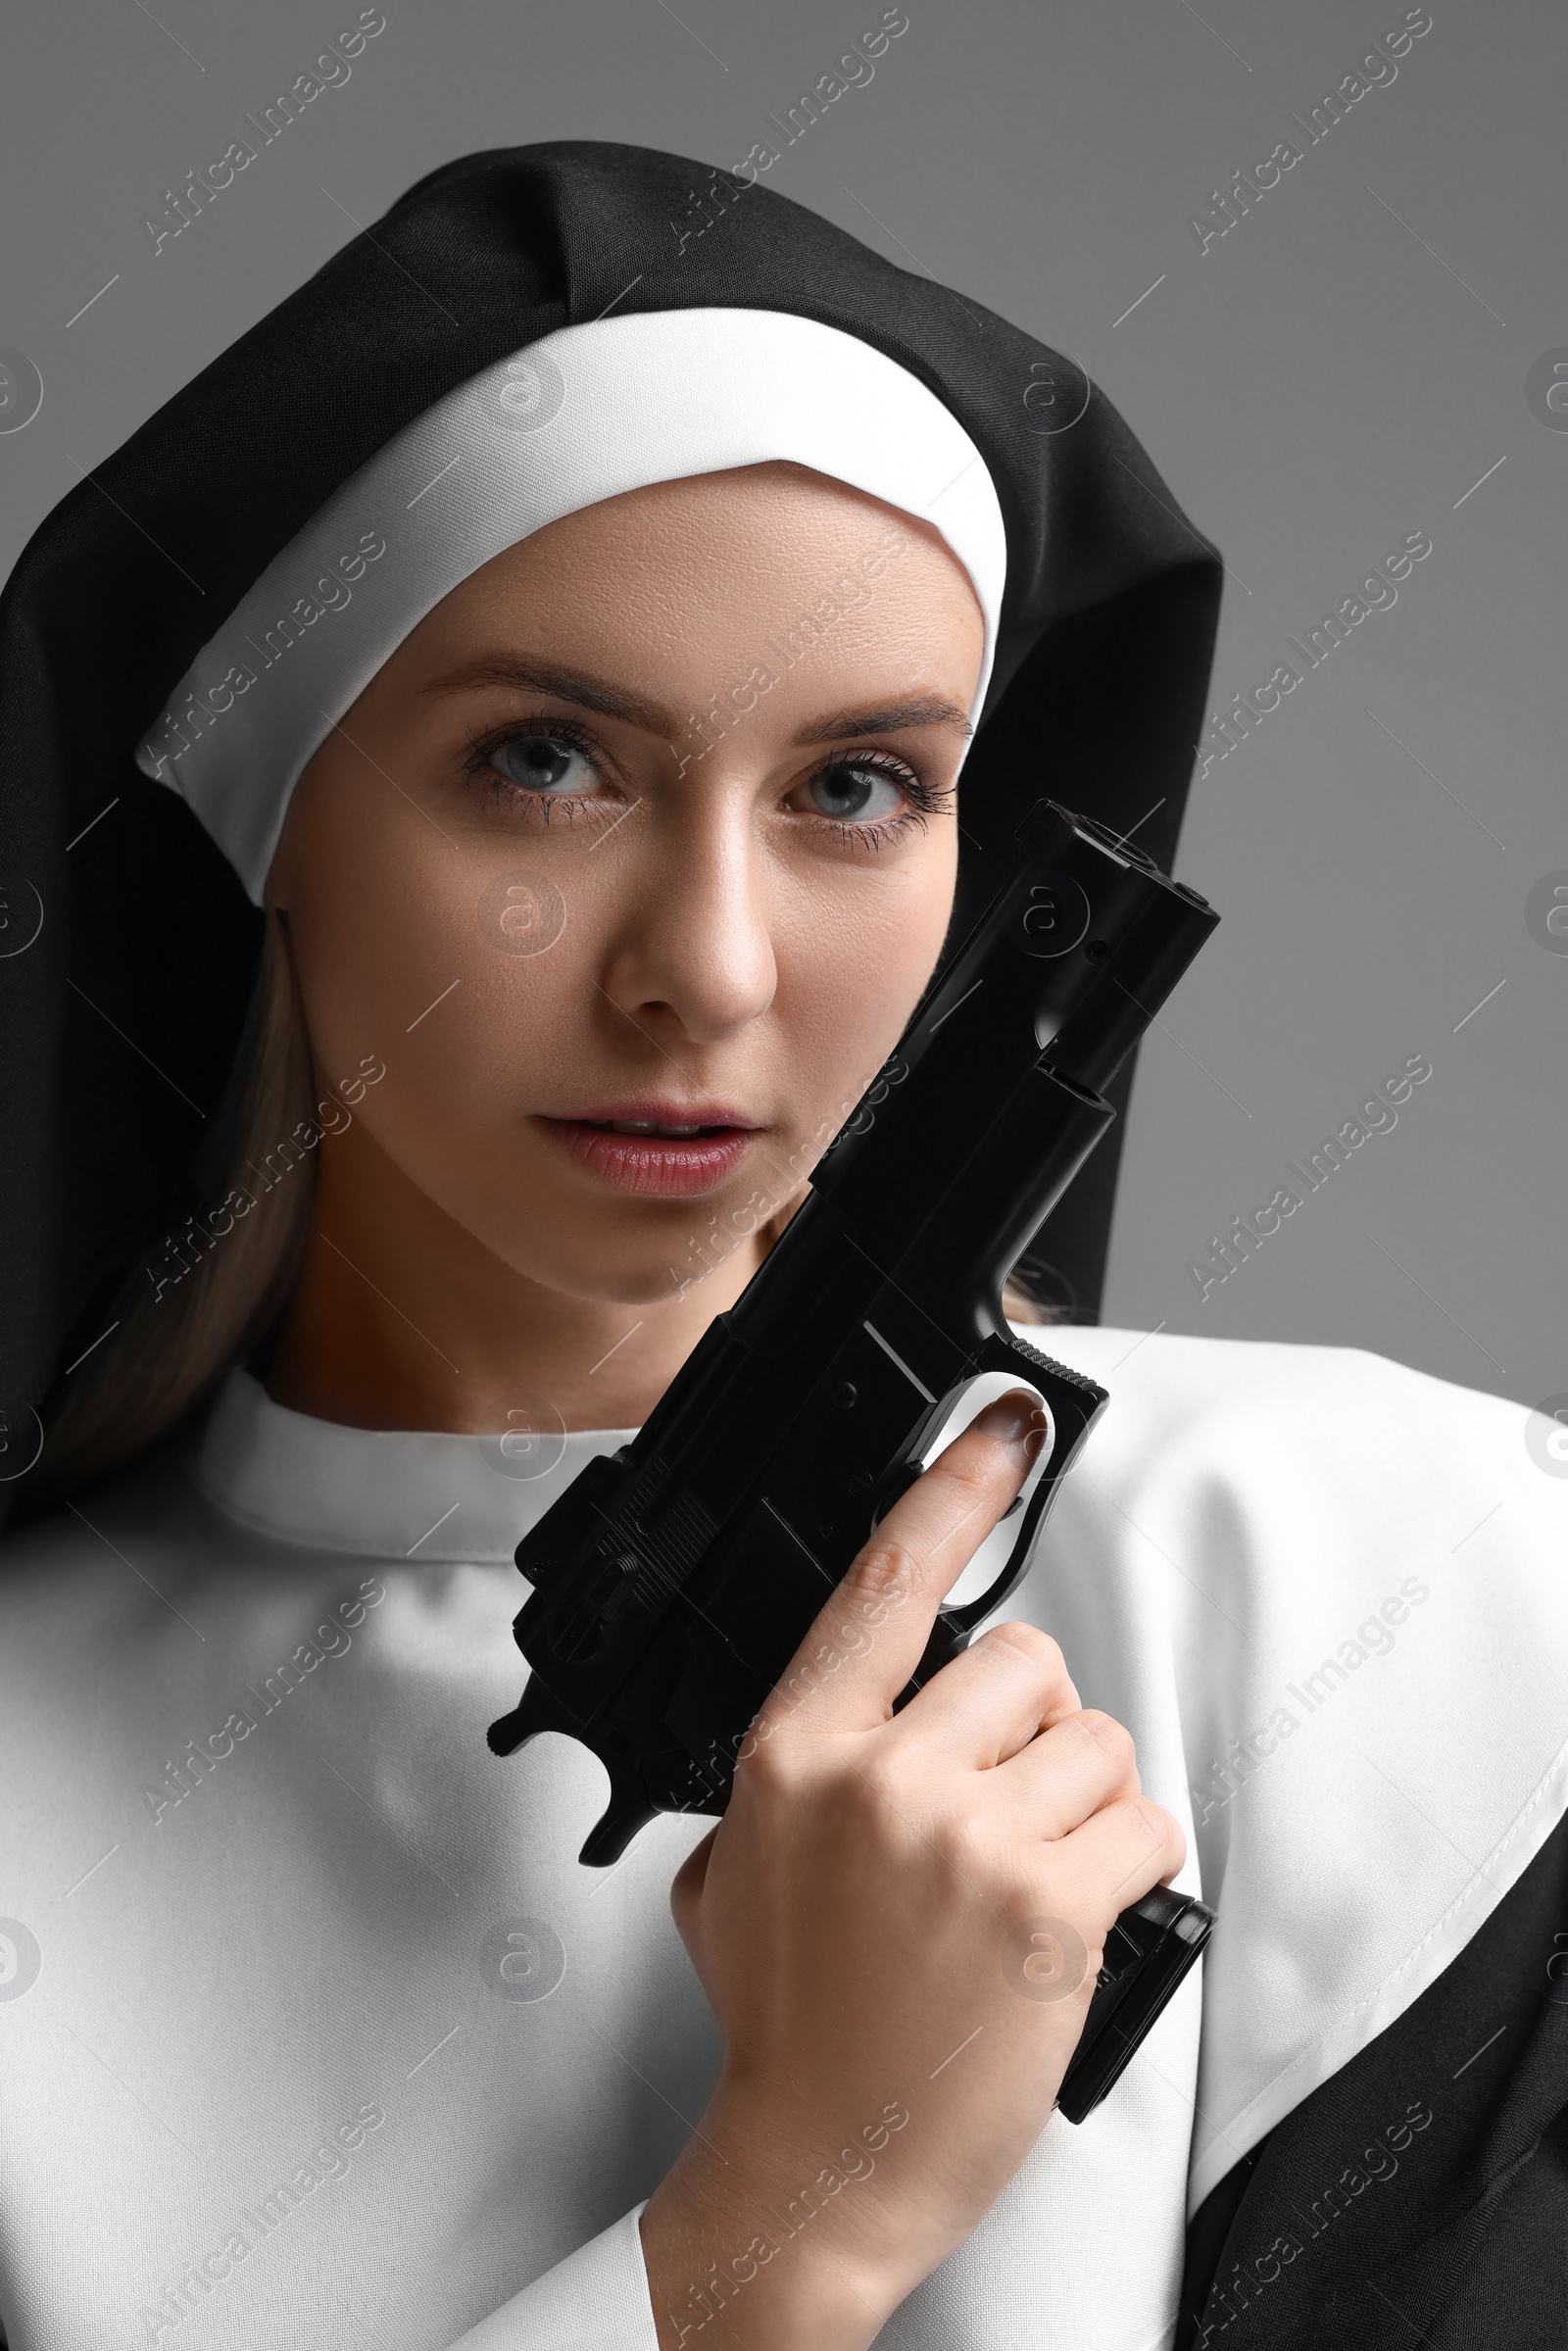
x,y
722,563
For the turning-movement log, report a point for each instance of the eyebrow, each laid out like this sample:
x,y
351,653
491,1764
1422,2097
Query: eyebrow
x,y
589,692
927,709
613,702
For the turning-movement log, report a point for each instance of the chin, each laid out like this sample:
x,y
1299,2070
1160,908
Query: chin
x,y
634,1283
605,1262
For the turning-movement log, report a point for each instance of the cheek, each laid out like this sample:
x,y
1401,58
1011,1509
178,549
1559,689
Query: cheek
x,y
417,953
852,966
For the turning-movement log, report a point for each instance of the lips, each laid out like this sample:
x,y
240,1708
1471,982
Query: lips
x,y
662,1151
652,1126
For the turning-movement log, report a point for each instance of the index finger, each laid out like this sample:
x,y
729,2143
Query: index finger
x,y
871,1635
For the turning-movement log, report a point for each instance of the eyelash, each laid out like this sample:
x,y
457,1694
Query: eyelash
x,y
924,799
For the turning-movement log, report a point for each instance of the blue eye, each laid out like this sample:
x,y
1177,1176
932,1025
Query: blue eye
x,y
548,763
847,792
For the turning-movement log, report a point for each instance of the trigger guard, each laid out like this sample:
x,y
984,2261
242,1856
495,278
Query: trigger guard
x,y
973,1612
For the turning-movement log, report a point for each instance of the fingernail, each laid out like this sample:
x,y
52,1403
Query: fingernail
x,y
1014,1418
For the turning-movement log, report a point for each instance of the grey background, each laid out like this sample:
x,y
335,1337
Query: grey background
x,y
1336,373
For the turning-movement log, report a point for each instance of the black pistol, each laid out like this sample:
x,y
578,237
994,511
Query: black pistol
x,y
674,1580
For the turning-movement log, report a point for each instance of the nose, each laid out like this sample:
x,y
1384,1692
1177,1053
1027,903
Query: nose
x,y
693,951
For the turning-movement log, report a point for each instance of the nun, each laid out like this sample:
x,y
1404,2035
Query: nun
x,y
489,770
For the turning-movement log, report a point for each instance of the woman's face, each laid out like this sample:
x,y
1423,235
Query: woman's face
x,y
650,820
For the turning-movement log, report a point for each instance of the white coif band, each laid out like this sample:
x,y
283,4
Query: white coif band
x,y
582,415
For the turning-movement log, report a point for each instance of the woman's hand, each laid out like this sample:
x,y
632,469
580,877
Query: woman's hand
x,y
898,1923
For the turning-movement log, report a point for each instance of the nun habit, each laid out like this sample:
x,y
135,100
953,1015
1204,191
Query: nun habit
x,y
310,2028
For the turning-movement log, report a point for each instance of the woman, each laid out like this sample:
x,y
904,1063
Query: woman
x,y
571,648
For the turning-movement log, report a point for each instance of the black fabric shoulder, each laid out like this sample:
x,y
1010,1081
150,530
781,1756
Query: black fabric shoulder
x,y
1420,2195
121,1020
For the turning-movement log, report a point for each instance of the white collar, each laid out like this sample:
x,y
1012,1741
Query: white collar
x,y
381,1493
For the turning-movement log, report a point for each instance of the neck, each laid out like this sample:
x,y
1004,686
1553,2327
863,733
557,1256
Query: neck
x,y
401,1319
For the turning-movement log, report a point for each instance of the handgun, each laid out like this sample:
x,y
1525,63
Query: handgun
x,y
674,1580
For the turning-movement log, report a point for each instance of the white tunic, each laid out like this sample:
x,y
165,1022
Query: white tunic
x,y
312,2030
